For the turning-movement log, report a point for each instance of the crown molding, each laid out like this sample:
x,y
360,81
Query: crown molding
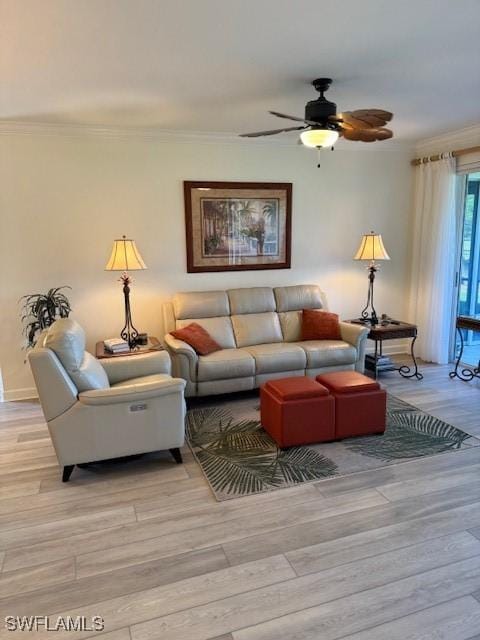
x,y
13,127
450,141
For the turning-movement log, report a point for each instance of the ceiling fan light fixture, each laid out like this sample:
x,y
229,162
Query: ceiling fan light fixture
x,y
319,137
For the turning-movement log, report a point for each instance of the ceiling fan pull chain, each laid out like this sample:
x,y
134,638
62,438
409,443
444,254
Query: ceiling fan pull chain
x,y
319,149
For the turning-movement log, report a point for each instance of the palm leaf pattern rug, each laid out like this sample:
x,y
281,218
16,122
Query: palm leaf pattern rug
x,y
239,458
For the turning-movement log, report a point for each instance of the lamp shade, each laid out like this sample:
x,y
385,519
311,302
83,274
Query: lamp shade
x,y
371,248
319,137
125,256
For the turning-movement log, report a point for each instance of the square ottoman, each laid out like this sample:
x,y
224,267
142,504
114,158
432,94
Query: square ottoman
x,y
296,411
360,403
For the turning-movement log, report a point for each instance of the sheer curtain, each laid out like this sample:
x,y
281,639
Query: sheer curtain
x,y
434,257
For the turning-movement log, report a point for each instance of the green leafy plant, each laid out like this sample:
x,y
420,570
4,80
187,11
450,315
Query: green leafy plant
x,y
40,310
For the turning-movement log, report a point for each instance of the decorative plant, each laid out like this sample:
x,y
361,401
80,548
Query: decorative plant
x,y
40,310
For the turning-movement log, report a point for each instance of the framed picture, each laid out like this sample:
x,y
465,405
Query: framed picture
x,y
237,226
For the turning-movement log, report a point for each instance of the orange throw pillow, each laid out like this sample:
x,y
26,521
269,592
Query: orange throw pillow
x,y
320,325
196,336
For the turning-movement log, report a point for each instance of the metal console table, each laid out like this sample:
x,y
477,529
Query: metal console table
x,y
466,373
378,362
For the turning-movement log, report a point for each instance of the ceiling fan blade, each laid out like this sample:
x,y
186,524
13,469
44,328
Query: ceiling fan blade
x,y
363,118
367,135
271,132
284,115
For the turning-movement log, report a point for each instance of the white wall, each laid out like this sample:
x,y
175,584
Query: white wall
x,y
64,198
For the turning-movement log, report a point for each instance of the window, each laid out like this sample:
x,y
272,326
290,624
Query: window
x,y
469,282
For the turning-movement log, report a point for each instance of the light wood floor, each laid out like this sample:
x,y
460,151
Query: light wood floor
x,y
392,553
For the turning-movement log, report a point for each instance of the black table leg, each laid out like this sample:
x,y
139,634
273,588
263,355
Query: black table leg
x,y
409,372
466,374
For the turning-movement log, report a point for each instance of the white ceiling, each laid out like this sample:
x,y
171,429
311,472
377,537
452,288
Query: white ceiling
x,y
219,65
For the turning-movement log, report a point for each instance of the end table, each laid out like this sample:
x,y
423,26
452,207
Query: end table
x,y
380,332
153,344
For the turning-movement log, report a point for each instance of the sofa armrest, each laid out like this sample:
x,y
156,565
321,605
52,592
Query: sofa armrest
x,y
186,357
124,368
356,335
132,392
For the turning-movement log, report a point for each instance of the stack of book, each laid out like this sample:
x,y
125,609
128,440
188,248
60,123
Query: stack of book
x,y
116,345
384,363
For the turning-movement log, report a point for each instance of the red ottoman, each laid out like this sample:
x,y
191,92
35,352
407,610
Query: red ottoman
x,y
297,411
360,403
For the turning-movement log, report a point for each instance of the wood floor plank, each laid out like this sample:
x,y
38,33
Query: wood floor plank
x,y
366,609
140,577
119,634
211,534
434,482
126,610
400,472
41,576
107,537
105,493
297,594
454,620
344,549
60,528
184,513
33,436
310,533
243,506
21,489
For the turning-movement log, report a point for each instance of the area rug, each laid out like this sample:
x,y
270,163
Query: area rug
x,y
239,458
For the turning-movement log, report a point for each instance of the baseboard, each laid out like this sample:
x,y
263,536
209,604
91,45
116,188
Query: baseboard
x,y
28,393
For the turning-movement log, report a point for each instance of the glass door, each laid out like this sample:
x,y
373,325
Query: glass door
x,y
469,273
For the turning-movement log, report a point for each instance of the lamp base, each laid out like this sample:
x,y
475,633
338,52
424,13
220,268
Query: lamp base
x,y
372,319
129,333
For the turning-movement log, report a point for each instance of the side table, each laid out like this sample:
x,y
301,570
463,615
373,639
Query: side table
x,y
153,344
467,373
380,332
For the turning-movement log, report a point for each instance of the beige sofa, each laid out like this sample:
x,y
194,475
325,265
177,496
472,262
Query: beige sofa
x,y
259,330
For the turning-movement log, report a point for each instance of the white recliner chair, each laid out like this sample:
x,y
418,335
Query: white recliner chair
x,y
94,411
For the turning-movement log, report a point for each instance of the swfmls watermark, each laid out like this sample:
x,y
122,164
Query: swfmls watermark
x,y
58,623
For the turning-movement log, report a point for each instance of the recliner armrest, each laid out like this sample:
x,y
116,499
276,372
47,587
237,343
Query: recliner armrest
x,y
132,392
146,364
354,334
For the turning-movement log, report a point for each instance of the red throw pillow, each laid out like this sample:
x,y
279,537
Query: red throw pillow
x,y
320,325
196,336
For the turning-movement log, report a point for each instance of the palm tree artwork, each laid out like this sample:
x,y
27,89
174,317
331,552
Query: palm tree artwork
x,y
235,228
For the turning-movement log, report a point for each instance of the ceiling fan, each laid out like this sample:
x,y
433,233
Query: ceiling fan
x,y
322,126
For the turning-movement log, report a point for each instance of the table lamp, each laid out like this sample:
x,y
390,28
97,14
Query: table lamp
x,y
372,249
126,257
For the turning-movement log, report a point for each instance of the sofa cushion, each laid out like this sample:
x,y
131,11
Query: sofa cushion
x,y
198,338
228,363
320,325
200,304
279,356
66,339
302,296
256,328
251,300
327,353
220,329
291,324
